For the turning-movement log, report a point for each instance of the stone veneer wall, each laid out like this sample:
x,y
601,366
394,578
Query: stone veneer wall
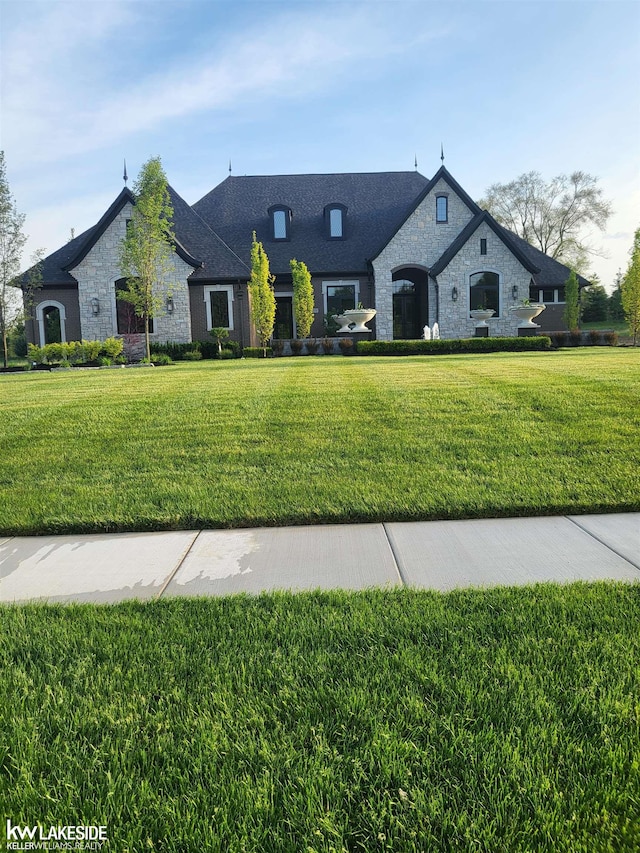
x,y
96,276
420,242
455,321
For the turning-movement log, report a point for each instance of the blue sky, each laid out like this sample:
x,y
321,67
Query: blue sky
x,y
314,86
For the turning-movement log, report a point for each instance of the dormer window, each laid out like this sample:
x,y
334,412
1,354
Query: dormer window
x,y
334,215
442,208
280,222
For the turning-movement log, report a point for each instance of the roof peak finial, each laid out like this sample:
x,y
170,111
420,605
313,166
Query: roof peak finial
x,y
125,177
442,153
415,162
229,165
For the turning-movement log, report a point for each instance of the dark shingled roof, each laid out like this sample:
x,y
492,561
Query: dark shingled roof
x,y
214,236
196,244
552,272
377,203
449,254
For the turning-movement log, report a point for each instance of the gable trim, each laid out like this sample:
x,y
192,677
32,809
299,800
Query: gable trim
x,y
465,235
441,174
125,197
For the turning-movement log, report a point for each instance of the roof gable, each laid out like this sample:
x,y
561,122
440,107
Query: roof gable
x,y
468,231
441,175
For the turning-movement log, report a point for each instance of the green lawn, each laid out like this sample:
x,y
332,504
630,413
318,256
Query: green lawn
x,y
291,441
498,720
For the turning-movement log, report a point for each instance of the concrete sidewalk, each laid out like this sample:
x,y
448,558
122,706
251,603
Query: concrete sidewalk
x,y
439,555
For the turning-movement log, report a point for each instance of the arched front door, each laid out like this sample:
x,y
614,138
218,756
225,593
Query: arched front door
x,y
410,303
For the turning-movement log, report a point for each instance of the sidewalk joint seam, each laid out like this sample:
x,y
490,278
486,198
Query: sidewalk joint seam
x,y
396,559
602,542
178,567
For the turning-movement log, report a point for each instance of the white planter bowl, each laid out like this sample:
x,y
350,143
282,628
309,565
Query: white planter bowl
x,y
359,316
526,314
482,315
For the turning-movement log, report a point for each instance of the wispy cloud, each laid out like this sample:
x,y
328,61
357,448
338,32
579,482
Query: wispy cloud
x,y
53,115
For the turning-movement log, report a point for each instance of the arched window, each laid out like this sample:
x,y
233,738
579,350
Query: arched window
x,y
484,291
334,220
280,217
51,317
442,208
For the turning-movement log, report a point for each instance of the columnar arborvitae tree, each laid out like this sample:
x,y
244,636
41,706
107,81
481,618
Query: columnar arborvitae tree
x,y
631,290
261,294
302,297
145,252
571,308
12,240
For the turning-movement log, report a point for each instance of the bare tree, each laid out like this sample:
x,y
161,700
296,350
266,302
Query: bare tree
x,y
554,216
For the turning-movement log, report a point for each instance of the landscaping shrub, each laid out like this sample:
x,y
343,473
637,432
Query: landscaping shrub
x,y
610,338
575,338
256,352
296,347
277,347
226,354
161,358
193,355
558,339
448,347
327,346
595,338
312,346
88,351
112,347
104,361
346,345
177,351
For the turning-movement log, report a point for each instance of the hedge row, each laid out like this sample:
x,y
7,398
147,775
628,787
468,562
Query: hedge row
x,y
590,337
457,345
75,352
207,349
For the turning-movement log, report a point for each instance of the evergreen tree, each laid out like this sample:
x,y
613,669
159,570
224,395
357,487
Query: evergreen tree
x,y
571,308
631,290
302,297
594,301
146,251
261,294
615,311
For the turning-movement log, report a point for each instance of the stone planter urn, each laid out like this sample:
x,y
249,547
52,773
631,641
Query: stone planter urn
x,y
343,322
481,315
527,313
359,316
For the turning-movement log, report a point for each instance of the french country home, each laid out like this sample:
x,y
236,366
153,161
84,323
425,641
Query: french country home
x,y
419,251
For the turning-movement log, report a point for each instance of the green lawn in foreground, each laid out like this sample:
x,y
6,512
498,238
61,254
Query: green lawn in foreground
x,y
297,440
499,720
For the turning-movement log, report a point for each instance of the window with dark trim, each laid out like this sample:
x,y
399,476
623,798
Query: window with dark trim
x,y
483,246
442,208
334,218
280,218
484,291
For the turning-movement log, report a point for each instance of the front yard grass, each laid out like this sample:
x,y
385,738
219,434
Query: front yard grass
x,y
496,720
324,439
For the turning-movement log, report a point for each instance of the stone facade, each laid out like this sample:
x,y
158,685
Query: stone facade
x,y
455,321
418,243
96,275
421,241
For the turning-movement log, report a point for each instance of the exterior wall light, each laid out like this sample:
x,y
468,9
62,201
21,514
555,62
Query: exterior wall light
x,y
454,294
169,304
95,306
514,291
